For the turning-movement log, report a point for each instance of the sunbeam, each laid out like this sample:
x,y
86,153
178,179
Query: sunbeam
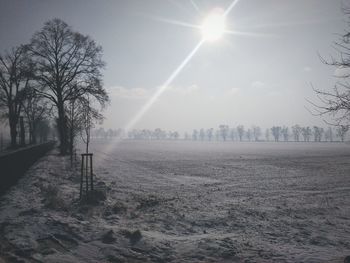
x,y
175,22
291,24
230,7
195,6
247,34
162,88
154,98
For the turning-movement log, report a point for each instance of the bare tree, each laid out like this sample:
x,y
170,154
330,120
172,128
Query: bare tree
x,y
159,134
267,134
232,134
14,78
249,134
195,135
202,134
175,135
89,116
256,133
341,131
336,103
285,133
68,66
74,115
210,134
224,129
240,131
328,135
276,132
1,141
43,130
217,135
296,130
36,109
306,133
318,132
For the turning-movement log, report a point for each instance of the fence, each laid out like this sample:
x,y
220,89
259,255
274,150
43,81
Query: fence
x,y
13,164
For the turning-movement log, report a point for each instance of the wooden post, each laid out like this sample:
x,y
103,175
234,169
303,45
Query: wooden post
x,y
71,158
87,173
91,174
82,176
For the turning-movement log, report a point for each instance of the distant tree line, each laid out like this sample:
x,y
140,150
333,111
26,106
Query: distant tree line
x,y
53,83
295,133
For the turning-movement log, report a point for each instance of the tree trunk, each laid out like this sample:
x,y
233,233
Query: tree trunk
x,y
1,142
22,132
13,131
71,131
34,133
62,129
30,134
71,140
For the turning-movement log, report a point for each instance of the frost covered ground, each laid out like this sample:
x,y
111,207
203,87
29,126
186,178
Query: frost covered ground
x,y
176,201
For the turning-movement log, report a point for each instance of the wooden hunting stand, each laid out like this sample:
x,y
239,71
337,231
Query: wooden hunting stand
x,y
86,175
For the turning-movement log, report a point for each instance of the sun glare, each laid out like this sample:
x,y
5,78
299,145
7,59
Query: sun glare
x,y
213,26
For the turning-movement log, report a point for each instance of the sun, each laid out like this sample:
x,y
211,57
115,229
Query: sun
x,y
213,26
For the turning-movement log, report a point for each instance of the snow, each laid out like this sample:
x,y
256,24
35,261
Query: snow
x,y
191,202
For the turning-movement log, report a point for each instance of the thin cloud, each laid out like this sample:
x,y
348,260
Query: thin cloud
x,y
307,69
258,84
129,93
233,91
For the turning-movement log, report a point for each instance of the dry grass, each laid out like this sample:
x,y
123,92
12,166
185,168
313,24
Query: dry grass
x,y
52,198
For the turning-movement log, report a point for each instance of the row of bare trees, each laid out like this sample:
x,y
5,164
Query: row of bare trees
x,y
57,76
143,134
156,134
276,133
306,134
19,99
295,133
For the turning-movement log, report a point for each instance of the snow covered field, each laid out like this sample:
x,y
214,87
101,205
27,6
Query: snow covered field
x,y
177,201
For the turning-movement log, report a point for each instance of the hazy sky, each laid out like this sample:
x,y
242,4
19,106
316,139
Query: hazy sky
x,y
262,79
